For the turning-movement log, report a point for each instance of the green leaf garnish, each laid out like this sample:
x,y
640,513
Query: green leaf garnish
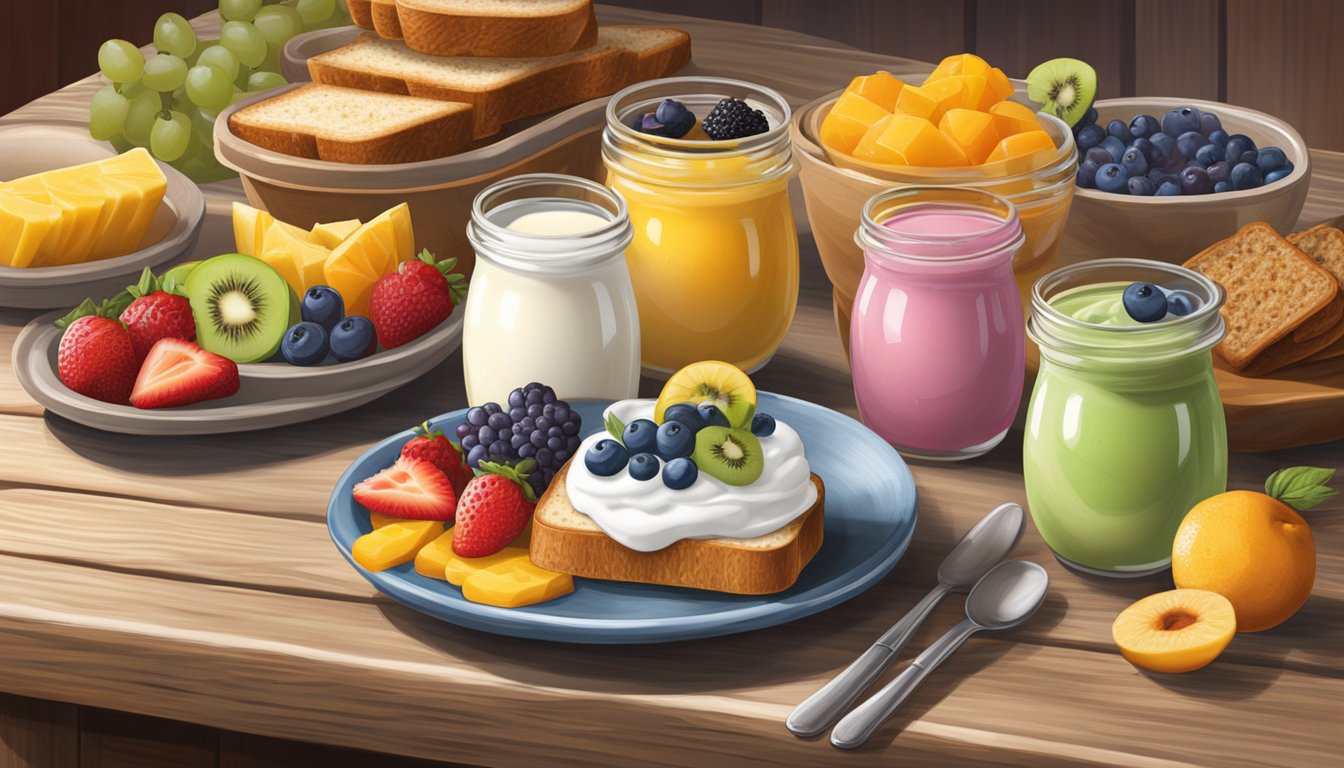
x,y
517,473
615,427
457,282
1301,487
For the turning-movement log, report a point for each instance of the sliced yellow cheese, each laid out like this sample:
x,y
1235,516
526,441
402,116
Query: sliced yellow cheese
x,y
82,207
32,189
432,559
333,233
137,167
394,544
24,226
125,227
286,248
459,568
515,584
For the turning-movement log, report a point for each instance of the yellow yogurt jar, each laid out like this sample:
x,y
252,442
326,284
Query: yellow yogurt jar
x,y
714,260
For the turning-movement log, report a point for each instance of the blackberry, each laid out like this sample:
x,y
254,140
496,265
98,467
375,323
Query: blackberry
x,y
533,424
734,119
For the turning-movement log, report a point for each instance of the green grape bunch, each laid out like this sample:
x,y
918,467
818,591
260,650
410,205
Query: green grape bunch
x,y
167,102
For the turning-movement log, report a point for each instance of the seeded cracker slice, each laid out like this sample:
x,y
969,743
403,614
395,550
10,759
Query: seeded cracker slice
x,y
1324,244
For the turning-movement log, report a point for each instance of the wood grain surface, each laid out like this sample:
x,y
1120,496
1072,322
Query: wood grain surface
x,y
193,578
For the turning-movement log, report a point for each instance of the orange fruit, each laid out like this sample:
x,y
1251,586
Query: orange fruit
x,y
1250,548
1176,631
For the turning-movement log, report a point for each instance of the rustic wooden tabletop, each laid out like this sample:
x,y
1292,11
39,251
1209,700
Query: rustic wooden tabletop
x,y
193,578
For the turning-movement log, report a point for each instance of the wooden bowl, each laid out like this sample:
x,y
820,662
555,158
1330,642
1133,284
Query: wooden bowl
x,y
1173,229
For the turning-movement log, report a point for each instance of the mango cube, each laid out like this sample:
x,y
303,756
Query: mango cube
x,y
958,64
873,149
882,88
379,520
394,544
922,144
458,568
432,559
930,101
972,131
974,92
1022,152
1011,118
515,584
999,85
849,119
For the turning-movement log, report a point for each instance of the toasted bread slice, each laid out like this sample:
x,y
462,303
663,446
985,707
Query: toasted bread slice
x,y
386,21
1272,288
497,28
566,540
1325,245
345,125
501,90
1288,350
361,13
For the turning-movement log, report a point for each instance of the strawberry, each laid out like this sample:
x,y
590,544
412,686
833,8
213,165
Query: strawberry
x,y
495,508
412,301
433,446
177,372
158,311
412,488
96,357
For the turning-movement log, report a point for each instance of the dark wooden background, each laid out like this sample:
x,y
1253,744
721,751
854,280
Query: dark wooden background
x,y
1281,56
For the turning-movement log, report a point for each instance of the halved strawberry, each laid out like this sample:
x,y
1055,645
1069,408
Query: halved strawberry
x,y
411,488
178,372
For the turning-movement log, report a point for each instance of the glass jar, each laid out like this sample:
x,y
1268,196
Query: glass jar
x,y
550,298
936,340
1125,429
715,254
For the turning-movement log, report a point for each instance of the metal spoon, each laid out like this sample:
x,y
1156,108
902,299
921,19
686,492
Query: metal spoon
x,y
983,547
1005,598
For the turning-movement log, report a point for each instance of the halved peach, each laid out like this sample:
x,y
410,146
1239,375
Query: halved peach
x,y
1176,631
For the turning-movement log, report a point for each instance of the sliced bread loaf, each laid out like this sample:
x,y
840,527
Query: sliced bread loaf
x,y
497,28
345,125
501,89
376,16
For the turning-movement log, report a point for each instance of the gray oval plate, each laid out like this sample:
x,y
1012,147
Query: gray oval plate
x,y
270,395
28,149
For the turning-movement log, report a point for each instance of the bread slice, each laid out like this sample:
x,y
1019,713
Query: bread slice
x,y
566,540
376,16
345,125
497,28
1272,288
502,90
361,13
1325,245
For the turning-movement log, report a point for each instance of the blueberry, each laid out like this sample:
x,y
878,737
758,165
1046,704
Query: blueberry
x,y
606,458
673,440
1141,186
1219,137
680,474
712,416
1114,147
305,344
1195,181
1111,177
1145,147
1219,171
1181,303
1237,144
353,338
1134,163
1188,143
1120,130
1276,175
1087,175
1180,120
1145,302
1210,154
1098,157
643,466
1208,123
1089,137
640,436
322,305
1222,186
1089,117
517,399
1156,175
1245,176
1144,126
1168,189
763,425
671,111
1164,149
1249,156
686,414
1270,159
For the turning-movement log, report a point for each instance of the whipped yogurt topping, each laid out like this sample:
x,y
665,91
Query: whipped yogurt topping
x,y
645,515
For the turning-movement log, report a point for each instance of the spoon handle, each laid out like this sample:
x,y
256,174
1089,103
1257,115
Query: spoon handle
x,y
823,707
858,726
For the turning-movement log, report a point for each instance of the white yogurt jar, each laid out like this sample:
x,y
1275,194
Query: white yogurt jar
x,y
550,297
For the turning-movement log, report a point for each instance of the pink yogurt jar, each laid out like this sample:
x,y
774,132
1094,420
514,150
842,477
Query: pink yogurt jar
x,y
937,344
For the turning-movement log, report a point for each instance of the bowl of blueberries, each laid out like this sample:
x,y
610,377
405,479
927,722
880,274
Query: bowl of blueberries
x,y
1164,178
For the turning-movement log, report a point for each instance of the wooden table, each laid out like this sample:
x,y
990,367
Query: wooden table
x,y
193,578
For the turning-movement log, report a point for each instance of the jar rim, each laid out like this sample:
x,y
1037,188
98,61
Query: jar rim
x,y
669,86
874,236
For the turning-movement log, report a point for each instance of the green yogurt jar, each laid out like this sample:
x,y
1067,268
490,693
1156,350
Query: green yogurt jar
x,y
1125,429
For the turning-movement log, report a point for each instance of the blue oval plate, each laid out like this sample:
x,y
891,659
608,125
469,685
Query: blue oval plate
x,y
870,518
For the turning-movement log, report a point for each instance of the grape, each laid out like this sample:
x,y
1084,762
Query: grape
x,y
315,11
209,87
278,23
120,61
107,113
131,90
169,138
140,116
264,81
204,124
245,41
165,73
219,56
239,10
173,34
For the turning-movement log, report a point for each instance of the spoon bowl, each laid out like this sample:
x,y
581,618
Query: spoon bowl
x,y
983,547
1008,595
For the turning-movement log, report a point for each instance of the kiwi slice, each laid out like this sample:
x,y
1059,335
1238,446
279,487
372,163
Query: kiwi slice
x,y
1064,88
241,305
732,455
